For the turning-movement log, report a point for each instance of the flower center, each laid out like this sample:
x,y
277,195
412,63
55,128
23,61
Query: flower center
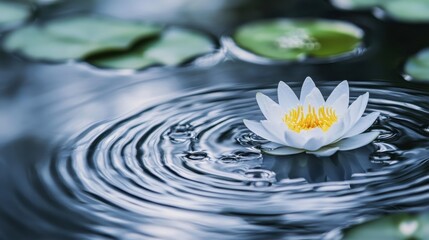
x,y
297,119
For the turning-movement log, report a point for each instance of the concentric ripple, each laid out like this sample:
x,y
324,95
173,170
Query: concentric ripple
x,y
189,169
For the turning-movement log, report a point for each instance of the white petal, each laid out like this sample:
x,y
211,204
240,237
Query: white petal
x,y
340,105
307,87
278,130
294,139
346,123
283,135
314,98
340,90
271,110
356,141
315,139
358,108
335,132
362,125
325,151
287,98
283,151
259,130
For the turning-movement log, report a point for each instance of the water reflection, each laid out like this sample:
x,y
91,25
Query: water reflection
x,y
199,165
339,167
131,177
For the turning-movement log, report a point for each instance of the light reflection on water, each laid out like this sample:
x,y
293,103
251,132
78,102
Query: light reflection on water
x,y
196,172
167,156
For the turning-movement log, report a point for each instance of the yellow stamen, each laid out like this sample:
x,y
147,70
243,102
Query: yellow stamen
x,y
298,120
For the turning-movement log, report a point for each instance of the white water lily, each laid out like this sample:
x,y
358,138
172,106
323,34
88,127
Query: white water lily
x,y
311,124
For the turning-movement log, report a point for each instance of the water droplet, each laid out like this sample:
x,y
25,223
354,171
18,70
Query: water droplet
x,y
260,184
259,174
383,118
250,140
180,133
196,156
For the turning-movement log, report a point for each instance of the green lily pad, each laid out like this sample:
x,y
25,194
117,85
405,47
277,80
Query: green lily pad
x,y
284,39
179,45
76,38
356,4
392,227
132,59
173,47
100,30
400,10
45,47
418,66
13,13
408,10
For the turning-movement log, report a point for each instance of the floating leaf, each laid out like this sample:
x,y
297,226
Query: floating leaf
x,y
418,66
13,13
78,37
408,10
400,10
284,39
392,227
174,47
101,30
179,45
44,46
132,59
356,4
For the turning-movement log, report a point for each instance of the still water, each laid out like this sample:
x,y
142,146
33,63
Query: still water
x,y
92,153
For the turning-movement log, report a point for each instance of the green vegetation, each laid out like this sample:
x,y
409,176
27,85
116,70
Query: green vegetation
x,y
284,39
392,227
13,13
418,65
173,47
400,10
108,42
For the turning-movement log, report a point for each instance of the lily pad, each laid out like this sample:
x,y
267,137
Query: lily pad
x,y
46,47
284,39
400,10
100,30
78,37
418,66
132,59
13,13
392,227
175,46
356,4
408,10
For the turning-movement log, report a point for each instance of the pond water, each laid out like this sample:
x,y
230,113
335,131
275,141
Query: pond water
x,y
91,153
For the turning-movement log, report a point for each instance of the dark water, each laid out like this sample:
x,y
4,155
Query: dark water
x,y
90,153
187,168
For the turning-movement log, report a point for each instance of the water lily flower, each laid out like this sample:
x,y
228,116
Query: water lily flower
x,y
311,124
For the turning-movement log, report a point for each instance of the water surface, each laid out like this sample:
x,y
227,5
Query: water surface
x,y
89,153
188,168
